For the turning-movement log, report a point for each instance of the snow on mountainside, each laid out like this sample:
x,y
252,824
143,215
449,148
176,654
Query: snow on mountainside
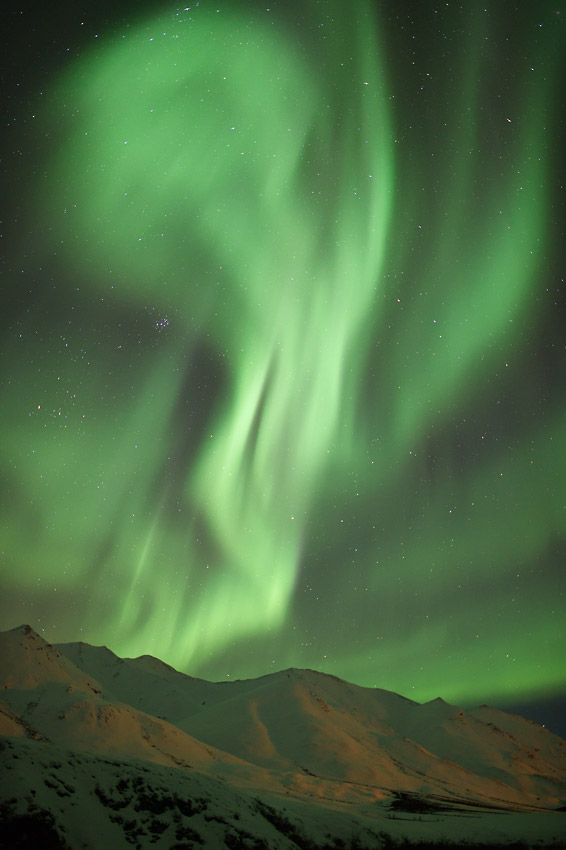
x,y
304,724
145,683
343,732
297,737
28,660
52,700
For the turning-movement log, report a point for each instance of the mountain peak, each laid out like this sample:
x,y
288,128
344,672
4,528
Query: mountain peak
x,y
24,629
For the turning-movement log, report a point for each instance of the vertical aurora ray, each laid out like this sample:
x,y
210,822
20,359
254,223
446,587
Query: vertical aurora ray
x,y
287,405
191,139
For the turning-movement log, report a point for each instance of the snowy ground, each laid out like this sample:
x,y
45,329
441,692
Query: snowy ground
x,y
102,804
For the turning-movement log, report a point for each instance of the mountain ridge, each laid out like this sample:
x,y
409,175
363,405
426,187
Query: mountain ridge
x,y
296,734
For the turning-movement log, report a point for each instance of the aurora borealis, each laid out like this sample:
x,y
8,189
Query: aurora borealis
x,y
283,355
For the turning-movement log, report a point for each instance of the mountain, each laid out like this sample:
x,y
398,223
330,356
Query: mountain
x,y
293,759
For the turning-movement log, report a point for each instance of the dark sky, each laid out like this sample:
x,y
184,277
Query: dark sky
x,y
283,340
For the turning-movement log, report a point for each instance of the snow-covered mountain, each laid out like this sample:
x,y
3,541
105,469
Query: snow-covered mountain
x,y
292,759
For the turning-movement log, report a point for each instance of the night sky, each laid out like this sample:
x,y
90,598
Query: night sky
x,y
283,339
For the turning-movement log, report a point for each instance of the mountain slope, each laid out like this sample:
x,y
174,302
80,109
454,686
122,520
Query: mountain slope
x,y
46,697
303,723
273,762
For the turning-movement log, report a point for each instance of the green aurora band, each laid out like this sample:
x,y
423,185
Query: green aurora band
x,y
264,429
